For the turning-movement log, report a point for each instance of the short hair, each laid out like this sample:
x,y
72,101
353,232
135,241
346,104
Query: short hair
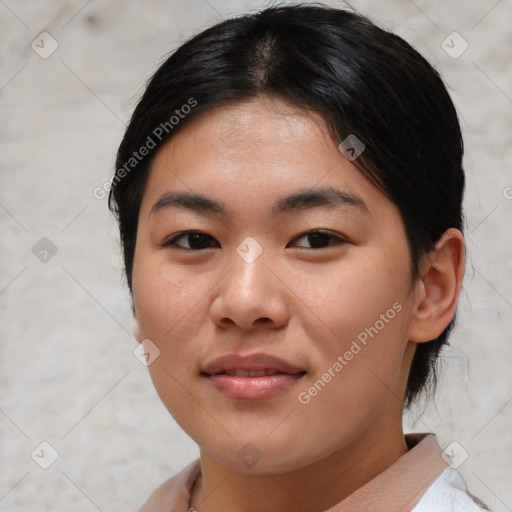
x,y
361,79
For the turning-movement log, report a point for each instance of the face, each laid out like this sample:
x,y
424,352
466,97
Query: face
x,y
281,301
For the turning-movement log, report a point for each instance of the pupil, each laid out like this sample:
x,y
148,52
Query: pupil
x,y
318,239
196,240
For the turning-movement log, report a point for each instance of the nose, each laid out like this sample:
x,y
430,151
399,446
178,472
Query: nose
x,y
251,295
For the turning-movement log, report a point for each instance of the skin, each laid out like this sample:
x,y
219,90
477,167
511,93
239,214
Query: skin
x,y
305,305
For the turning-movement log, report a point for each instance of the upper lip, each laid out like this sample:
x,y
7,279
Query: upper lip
x,y
250,362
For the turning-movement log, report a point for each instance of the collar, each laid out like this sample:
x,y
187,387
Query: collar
x,y
399,487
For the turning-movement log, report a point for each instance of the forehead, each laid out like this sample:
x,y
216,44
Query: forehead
x,y
258,151
262,129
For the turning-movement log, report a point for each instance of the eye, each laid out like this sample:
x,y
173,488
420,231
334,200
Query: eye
x,y
319,239
196,240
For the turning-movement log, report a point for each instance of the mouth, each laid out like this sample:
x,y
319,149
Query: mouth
x,y
240,372
254,377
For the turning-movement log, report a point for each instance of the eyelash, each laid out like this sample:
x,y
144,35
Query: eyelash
x,y
171,242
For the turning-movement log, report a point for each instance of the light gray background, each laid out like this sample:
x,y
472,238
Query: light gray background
x,y
67,372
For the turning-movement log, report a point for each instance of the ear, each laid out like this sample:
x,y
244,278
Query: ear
x,y
442,272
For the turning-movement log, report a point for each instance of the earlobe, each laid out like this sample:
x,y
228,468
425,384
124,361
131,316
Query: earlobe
x,y
442,272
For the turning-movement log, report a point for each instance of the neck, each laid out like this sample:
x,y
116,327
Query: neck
x,y
316,487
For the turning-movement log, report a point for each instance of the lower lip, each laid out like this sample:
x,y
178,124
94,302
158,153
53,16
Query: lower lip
x,y
253,388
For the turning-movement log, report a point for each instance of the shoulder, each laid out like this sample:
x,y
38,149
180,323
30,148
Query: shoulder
x,y
174,494
448,494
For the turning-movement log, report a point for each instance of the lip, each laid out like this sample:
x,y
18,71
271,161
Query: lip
x,y
281,376
255,362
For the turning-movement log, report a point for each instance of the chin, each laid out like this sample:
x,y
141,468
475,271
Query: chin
x,y
262,454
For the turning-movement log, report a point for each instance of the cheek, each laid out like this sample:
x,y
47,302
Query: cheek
x,y
169,309
165,300
364,307
353,298
172,308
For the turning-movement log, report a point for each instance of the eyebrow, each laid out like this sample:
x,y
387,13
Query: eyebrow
x,y
298,201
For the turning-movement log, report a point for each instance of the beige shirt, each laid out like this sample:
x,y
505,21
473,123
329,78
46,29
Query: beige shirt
x,y
399,488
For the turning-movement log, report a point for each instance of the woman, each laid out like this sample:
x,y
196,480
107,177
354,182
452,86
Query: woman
x,y
289,194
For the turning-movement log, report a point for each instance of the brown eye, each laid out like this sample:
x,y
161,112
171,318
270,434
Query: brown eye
x,y
196,241
319,239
